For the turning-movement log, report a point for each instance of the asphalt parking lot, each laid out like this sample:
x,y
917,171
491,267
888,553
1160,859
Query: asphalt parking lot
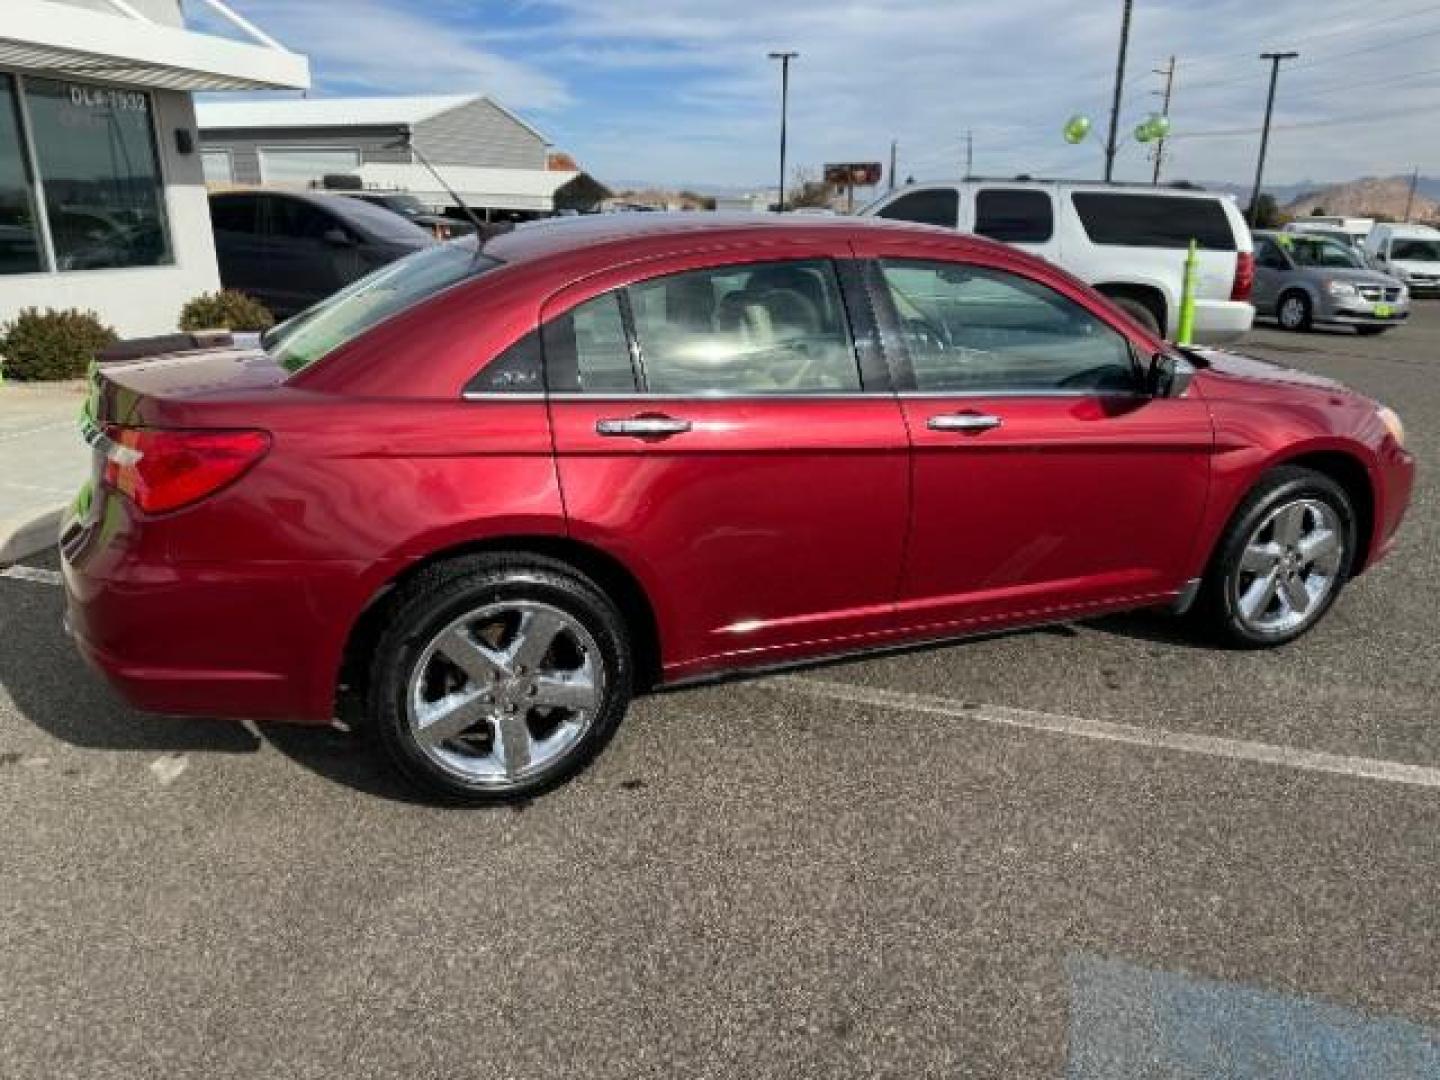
x,y
1096,850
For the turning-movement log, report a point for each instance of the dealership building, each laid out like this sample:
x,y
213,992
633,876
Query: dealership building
x,y
495,160
102,190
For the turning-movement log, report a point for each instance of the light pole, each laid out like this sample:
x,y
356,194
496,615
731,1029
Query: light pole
x,y
784,58
1274,58
1119,86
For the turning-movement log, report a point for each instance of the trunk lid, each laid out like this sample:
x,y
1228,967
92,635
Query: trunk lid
x,y
165,389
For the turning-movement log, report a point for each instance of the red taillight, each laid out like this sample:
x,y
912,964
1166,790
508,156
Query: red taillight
x,y
164,470
1244,275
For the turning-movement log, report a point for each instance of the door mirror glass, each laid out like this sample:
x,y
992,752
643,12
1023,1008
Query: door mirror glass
x,y
1170,376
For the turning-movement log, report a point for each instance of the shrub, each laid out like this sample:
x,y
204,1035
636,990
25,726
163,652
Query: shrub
x,y
225,310
52,344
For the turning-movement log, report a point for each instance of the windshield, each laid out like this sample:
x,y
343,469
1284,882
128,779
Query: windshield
x,y
347,314
1321,251
1417,250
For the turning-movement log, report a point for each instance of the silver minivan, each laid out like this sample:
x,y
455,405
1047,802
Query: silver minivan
x,y
1304,278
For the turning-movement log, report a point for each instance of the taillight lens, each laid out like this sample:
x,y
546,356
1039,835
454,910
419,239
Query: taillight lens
x,y
161,470
1244,275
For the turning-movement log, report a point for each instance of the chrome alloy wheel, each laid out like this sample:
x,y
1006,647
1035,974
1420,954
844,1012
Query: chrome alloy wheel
x,y
1292,313
505,691
1289,566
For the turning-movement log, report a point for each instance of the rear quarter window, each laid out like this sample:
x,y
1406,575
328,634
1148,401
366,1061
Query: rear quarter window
x,y
933,206
1153,221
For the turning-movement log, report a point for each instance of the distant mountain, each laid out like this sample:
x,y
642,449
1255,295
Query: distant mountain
x,y
1369,197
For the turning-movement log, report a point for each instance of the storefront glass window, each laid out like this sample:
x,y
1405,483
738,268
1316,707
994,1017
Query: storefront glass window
x,y
103,193
19,236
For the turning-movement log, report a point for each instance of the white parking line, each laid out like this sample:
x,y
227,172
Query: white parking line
x,y
1394,772
32,573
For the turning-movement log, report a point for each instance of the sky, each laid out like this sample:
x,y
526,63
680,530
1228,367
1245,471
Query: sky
x,y
680,92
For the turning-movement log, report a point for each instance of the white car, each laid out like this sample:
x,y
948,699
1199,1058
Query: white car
x,y
1129,242
1408,252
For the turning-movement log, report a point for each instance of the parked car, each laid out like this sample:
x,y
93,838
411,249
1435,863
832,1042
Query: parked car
x,y
416,212
1331,232
1304,278
1128,242
1408,252
777,439
1357,228
291,249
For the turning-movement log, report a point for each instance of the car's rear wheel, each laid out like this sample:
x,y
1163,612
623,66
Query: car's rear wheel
x,y
498,677
1293,312
1282,561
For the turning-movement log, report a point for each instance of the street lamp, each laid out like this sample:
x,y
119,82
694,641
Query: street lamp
x,y
784,58
1275,58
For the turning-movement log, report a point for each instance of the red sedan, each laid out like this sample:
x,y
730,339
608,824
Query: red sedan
x,y
494,491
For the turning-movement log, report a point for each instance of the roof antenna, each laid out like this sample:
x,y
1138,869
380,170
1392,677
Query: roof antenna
x,y
407,142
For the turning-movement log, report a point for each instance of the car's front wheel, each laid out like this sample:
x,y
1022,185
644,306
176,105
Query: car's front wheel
x,y
1293,311
498,677
1282,561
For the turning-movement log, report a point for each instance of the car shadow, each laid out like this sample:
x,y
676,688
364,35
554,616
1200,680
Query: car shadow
x,y
53,689
1155,627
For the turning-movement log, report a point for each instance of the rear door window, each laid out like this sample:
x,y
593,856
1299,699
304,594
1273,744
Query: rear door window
x,y
752,329
932,206
235,214
1153,221
1014,215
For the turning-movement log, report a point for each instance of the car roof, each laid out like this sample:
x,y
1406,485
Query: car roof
x,y
385,224
1401,228
1046,183
662,230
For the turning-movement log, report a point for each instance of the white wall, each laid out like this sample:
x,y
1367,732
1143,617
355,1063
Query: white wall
x,y
142,300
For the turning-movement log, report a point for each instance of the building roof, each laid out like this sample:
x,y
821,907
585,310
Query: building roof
x,y
338,112
81,44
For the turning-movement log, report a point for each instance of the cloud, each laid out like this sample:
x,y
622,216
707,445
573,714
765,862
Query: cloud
x,y
374,46
681,90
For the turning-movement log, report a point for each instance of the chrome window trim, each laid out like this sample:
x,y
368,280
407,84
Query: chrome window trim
x,y
852,395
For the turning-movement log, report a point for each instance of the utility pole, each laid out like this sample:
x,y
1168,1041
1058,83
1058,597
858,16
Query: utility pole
x,y
1274,58
784,58
1119,86
1410,198
1169,72
893,144
969,152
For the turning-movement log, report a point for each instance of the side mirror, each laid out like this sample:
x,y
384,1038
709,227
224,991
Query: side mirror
x,y
1169,375
337,237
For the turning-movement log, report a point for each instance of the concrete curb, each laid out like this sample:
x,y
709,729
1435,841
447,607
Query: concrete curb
x,y
29,533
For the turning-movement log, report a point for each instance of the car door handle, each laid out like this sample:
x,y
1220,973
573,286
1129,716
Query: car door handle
x,y
643,427
964,421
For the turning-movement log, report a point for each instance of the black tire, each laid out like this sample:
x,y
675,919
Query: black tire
x,y
1140,312
1304,312
432,601
1216,610
1370,331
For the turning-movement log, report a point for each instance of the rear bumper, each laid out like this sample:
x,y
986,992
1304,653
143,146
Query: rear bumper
x,y
261,639
1220,321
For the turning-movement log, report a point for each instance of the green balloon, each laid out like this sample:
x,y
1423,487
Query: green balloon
x,y
1152,127
1076,128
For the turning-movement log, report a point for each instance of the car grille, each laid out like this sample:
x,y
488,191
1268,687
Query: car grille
x,y
1374,293
1429,281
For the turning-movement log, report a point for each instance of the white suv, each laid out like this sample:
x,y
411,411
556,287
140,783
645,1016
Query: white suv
x,y
1128,242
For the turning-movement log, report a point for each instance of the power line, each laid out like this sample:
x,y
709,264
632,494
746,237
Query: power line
x,y
1238,58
